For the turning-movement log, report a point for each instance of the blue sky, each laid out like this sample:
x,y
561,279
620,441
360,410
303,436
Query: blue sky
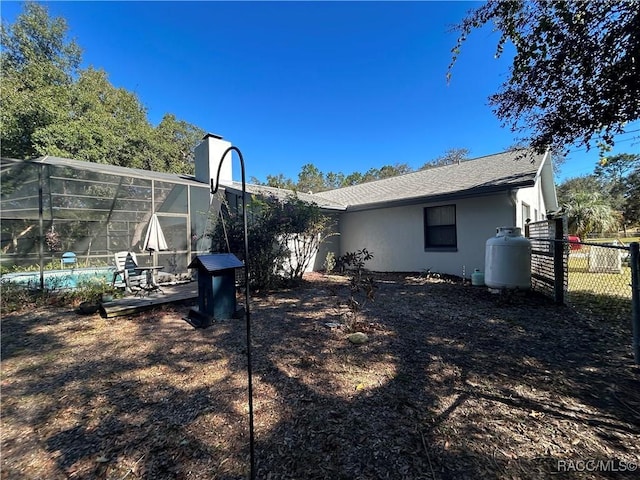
x,y
346,86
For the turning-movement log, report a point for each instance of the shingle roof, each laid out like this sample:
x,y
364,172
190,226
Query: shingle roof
x,y
484,175
283,193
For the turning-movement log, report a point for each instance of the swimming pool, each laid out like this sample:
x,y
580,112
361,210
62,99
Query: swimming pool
x,y
58,279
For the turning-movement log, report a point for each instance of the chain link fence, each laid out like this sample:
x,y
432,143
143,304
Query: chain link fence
x,y
596,279
599,279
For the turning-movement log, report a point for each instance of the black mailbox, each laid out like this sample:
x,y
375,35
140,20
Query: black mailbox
x,y
216,287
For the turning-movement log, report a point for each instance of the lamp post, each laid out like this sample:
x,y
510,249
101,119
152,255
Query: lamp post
x,y
214,189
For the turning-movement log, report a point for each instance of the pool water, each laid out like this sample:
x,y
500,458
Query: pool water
x,y
58,279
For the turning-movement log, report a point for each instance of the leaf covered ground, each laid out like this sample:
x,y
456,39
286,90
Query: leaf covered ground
x,y
453,383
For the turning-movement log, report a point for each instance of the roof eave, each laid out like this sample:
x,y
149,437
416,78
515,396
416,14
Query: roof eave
x,y
469,193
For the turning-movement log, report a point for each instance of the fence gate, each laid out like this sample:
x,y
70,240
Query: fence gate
x,y
549,258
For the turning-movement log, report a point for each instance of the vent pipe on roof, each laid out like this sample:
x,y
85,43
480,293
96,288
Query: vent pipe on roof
x,y
208,155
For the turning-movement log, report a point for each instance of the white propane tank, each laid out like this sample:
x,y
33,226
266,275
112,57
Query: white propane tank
x,y
508,260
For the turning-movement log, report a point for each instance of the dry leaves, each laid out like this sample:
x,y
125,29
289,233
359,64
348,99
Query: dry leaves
x,y
452,382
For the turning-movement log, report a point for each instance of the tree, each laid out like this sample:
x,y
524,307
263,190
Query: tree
x,y
51,107
175,141
310,179
36,47
576,70
100,124
451,156
354,178
389,171
279,181
334,180
373,174
577,185
587,212
614,173
631,208
38,64
614,169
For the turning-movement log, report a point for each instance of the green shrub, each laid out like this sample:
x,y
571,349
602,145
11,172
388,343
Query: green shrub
x,y
283,237
329,262
15,297
361,287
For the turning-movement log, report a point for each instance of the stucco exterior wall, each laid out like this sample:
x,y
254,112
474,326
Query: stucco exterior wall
x,y
330,244
395,235
533,197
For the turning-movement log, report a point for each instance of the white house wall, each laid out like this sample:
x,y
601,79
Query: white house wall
x,y
395,235
331,243
533,197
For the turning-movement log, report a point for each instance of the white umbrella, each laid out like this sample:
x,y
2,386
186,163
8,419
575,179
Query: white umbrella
x,y
155,241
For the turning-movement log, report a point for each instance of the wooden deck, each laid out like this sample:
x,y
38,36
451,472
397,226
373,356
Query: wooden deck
x,y
131,304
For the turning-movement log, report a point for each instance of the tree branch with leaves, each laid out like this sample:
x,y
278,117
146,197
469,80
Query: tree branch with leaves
x,y
575,76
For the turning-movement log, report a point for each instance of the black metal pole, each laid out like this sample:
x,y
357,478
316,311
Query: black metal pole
x,y
635,298
558,263
41,223
214,189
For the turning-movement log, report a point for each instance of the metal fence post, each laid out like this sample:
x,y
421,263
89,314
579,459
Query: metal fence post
x,y
634,248
41,234
558,263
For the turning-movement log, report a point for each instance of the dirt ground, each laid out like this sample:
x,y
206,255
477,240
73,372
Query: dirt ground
x,y
453,383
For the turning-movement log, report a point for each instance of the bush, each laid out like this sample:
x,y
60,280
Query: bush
x,y
15,297
361,287
283,236
329,262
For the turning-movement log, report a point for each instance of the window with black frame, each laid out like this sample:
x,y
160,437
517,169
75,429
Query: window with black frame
x,y
440,228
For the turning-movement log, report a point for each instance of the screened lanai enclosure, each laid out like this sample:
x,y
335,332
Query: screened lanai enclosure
x,y
54,206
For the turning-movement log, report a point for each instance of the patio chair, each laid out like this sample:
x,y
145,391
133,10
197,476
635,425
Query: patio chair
x,y
68,258
131,279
